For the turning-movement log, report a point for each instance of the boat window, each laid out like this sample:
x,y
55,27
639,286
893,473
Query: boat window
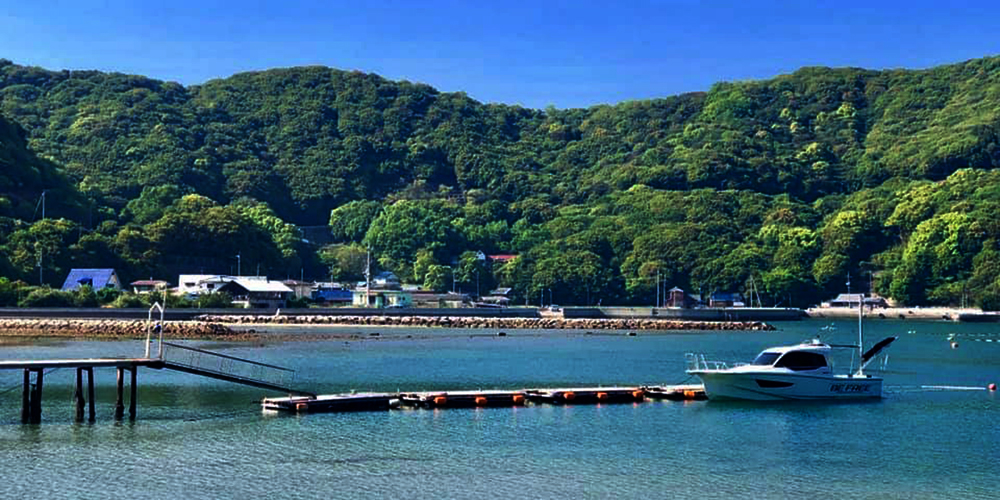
x,y
801,360
766,358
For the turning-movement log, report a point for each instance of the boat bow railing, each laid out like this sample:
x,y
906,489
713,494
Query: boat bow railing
x,y
697,362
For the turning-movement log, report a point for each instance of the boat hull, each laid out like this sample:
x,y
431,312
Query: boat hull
x,y
762,386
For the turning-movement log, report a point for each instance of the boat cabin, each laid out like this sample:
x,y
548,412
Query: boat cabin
x,y
804,357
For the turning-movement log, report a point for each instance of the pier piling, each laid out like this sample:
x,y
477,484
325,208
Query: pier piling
x,y
36,398
120,395
90,395
26,397
78,395
132,392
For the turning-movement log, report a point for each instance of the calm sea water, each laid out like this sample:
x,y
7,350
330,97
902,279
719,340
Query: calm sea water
x,y
198,438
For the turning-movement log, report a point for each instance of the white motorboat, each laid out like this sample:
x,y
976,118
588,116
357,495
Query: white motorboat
x,y
798,372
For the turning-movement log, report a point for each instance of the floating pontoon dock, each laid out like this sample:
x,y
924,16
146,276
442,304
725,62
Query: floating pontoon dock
x,y
693,392
587,395
333,403
463,399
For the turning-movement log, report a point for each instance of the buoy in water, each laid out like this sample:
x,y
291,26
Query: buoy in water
x,y
501,334
992,387
954,345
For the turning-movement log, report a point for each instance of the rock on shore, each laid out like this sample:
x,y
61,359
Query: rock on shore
x,y
108,328
479,322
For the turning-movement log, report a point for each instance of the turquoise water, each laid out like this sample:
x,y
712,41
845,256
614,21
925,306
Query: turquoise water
x,y
198,438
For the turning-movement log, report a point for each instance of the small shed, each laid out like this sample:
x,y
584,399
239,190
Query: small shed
x,y
676,297
94,278
726,299
148,286
499,297
331,292
853,299
382,298
302,289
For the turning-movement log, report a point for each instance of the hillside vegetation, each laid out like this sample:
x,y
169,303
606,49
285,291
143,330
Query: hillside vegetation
x,y
795,183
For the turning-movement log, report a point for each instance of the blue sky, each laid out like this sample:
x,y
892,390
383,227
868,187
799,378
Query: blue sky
x,y
562,53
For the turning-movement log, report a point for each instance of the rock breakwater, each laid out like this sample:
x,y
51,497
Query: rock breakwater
x,y
479,322
109,328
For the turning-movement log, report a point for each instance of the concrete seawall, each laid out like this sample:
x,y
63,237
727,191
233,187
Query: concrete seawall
x,y
939,313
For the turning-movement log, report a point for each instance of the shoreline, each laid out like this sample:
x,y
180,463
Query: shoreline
x,y
235,328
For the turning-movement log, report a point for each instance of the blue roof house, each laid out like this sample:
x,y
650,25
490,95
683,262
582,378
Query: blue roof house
x,y
96,278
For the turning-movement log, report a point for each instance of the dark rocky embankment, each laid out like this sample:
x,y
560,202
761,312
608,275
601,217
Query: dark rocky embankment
x,y
109,328
479,322
222,326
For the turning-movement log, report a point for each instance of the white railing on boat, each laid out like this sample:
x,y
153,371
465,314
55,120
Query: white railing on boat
x,y
697,361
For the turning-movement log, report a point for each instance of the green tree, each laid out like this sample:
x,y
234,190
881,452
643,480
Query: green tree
x,y
345,262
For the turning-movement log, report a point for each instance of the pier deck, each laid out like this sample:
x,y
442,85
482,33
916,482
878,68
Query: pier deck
x,y
80,363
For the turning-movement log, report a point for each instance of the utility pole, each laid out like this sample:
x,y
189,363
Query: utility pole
x,y
368,279
657,288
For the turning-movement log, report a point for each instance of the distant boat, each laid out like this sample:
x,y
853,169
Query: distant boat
x,y
798,372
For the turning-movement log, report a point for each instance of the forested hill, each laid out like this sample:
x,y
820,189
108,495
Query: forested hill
x,y
23,177
796,181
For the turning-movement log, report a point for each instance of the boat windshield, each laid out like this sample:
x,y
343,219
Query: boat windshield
x,y
766,358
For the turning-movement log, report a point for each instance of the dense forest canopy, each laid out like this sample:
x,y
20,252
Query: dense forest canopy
x,y
793,183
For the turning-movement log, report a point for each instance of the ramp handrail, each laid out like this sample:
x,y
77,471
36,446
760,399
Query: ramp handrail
x,y
158,328
238,369
697,362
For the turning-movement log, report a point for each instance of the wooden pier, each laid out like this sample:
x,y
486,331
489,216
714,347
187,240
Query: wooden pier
x,y
183,358
31,399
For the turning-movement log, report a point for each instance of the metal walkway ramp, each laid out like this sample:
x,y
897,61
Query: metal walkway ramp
x,y
210,364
